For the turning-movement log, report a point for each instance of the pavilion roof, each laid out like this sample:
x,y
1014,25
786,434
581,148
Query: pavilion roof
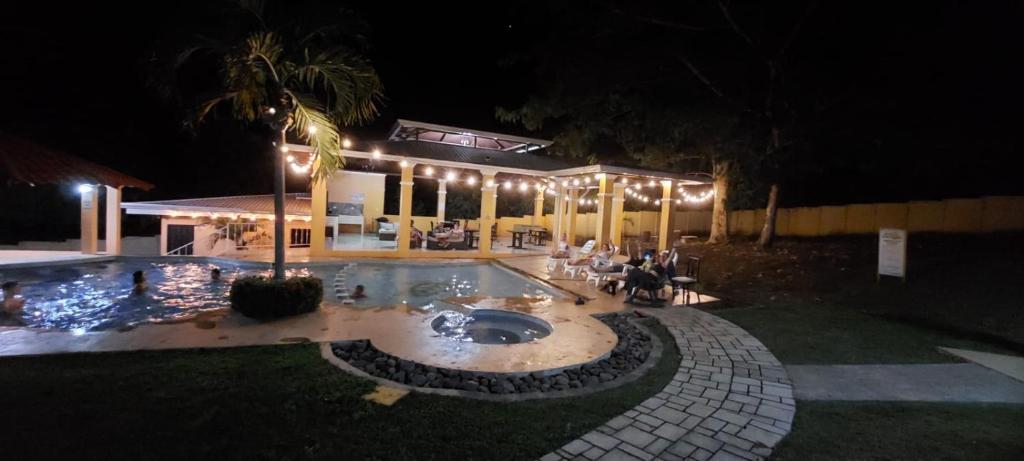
x,y
27,162
297,204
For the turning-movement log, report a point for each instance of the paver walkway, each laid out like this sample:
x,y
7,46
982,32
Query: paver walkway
x,y
730,400
940,382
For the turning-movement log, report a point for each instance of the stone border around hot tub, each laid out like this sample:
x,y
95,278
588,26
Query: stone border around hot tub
x,y
657,348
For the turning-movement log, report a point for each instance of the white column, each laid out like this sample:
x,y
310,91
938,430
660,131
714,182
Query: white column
x,y
556,226
442,195
90,218
113,220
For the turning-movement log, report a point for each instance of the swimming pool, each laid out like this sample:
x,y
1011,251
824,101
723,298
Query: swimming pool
x,y
98,296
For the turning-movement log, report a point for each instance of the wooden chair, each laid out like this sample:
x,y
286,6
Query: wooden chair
x,y
690,280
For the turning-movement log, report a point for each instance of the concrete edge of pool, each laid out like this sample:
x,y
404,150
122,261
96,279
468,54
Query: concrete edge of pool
x,y
657,349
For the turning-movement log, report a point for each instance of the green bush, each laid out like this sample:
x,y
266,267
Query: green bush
x,y
263,297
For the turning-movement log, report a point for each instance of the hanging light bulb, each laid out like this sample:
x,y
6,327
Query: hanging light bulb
x,y
523,186
651,183
657,202
678,201
429,171
290,158
508,184
450,176
346,143
625,181
636,186
582,202
403,163
312,129
586,179
489,184
284,148
376,153
565,183
576,181
271,111
471,180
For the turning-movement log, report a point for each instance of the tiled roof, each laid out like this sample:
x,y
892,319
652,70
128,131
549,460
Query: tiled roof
x,y
464,154
30,163
294,204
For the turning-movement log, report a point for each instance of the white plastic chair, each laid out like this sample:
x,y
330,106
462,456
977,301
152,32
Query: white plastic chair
x,y
594,271
584,251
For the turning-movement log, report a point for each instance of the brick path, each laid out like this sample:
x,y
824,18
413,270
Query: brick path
x,y
730,400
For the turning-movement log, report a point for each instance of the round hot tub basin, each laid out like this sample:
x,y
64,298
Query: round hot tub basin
x,y
490,326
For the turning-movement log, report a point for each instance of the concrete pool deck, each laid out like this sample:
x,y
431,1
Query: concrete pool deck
x,y
18,259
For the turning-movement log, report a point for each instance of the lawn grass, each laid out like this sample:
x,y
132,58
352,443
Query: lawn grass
x,y
273,402
904,431
799,332
816,301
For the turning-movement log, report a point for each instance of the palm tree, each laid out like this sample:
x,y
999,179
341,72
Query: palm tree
x,y
301,86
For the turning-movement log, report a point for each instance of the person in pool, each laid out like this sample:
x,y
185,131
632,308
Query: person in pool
x,y
138,282
359,293
215,274
13,304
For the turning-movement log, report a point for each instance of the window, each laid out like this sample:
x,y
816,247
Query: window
x,y
299,238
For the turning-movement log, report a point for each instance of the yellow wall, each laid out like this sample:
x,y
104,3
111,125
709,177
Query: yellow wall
x,y
925,216
987,214
1002,213
833,220
345,187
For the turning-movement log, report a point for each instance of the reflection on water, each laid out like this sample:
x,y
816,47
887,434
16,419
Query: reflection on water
x,y
99,296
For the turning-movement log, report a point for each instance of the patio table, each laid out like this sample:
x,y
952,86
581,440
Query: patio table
x,y
537,236
517,239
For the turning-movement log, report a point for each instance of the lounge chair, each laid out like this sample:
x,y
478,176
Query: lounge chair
x,y
599,269
387,231
584,252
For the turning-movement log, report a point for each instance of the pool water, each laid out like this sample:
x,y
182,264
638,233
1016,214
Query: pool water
x,y
98,296
422,285
490,326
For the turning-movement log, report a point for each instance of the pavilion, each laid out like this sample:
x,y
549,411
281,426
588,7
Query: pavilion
x,y
25,162
497,162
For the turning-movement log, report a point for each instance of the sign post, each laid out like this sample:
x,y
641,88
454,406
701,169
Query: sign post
x,y
892,253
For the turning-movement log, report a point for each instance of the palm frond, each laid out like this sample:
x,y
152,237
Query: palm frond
x,y
325,138
349,85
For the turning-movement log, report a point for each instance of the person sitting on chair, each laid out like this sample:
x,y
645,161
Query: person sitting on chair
x,y
646,275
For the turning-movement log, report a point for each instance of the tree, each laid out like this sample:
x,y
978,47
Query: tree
x,y
707,93
289,80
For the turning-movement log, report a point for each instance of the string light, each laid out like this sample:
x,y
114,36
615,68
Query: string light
x,y
625,181
312,129
284,148
376,153
489,183
576,181
636,186
565,183
346,143
471,180
403,164
523,186
450,176
429,171
290,158
651,183
508,184
701,197
586,179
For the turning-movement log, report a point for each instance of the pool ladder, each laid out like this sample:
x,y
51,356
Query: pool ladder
x,y
340,289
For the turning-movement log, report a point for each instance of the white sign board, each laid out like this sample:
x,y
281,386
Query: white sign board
x,y
892,252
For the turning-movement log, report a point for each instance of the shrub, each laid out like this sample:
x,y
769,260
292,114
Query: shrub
x,y
263,297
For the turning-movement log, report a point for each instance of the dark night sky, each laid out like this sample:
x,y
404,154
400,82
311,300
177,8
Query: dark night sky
x,y
74,81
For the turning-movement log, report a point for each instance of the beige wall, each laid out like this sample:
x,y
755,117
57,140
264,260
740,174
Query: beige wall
x,y
986,214
359,187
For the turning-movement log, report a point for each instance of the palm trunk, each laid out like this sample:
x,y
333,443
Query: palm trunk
x,y
279,220
719,213
768,231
